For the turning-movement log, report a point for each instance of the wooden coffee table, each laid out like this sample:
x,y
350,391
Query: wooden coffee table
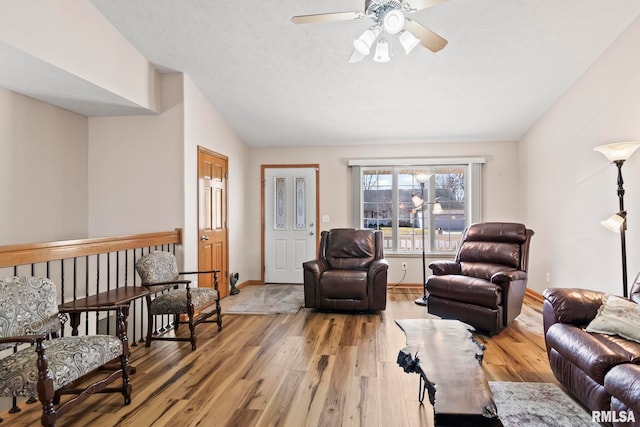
x,y
448,360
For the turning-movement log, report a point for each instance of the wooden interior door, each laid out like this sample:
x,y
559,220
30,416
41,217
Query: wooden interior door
x,y
213,245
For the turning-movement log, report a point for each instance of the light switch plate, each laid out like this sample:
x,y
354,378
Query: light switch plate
x,y
325,218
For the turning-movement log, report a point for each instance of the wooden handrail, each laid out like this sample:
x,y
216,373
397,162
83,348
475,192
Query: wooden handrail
x,y
31,253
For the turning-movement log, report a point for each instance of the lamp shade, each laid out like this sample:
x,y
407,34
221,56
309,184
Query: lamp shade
x,y
422,177
614,223
382,53
437,209
363,43
408,41
618,151
417,201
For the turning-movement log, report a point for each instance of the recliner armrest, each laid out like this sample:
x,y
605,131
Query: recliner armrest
x,y
571,305
378,266
440,268
508,276
316,267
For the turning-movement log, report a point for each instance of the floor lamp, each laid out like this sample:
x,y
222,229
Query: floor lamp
x,y
420,203
617,153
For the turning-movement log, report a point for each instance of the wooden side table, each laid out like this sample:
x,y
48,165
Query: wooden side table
x,y
115,297
118,298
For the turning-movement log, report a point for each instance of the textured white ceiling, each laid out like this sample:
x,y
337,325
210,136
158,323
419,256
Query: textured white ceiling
x,y
281,84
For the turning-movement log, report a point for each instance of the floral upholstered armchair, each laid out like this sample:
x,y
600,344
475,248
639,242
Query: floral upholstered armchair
x,y
50,367
172,295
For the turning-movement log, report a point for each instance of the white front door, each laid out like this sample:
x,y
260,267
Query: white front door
x,y
290,225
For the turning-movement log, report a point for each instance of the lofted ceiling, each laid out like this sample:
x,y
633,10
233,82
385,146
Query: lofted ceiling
x,y
281,84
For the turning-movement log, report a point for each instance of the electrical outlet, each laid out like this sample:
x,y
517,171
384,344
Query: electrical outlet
x,y
404,266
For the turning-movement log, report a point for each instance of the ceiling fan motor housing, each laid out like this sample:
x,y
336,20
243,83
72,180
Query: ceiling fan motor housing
x,y
376,9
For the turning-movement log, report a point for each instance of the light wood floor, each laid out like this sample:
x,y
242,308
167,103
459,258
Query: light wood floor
x,y
307,369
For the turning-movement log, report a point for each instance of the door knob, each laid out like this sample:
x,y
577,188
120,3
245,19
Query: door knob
x,y
311,233
204,238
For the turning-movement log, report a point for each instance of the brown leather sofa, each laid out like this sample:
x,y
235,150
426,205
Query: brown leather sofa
x,y
484,286
602,371
350,272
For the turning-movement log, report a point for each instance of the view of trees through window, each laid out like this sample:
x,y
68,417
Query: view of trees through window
x,y
387,205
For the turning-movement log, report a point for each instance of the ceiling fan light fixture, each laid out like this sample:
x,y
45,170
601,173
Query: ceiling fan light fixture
x,y
393,21
408,41
363,43
383,51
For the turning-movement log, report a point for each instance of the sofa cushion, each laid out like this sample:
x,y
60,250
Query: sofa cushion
x,y
617,316
465,289
594,353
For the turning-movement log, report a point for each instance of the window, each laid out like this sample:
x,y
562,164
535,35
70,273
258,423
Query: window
x,y
387,196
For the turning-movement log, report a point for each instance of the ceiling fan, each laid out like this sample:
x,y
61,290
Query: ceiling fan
x,y
388,17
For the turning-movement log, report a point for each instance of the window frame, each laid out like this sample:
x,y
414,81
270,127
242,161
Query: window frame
x,y
473,191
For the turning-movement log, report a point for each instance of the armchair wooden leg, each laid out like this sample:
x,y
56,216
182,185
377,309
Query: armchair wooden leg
x,y
150,318
192,326
176,322
147,342
45,388
126,384
218,309
124,357
218,315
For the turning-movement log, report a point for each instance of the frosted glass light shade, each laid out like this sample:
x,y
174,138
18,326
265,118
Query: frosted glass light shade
x,y
363,43
417,201
408,41
382,53
422,177
618,150
614,223
437,209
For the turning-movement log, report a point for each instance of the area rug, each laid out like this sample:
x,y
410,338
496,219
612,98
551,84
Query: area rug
x,y
267,299
537,405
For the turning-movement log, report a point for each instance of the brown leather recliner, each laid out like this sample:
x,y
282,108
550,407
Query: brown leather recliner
x,y
350,272
484,286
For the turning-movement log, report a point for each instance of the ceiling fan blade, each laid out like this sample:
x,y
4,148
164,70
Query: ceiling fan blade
x,y
428,38
414,5
356,57
327,17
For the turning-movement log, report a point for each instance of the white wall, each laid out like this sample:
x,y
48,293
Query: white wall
x,y
203,126
43,170
136,176
74,36
500,185
567,188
